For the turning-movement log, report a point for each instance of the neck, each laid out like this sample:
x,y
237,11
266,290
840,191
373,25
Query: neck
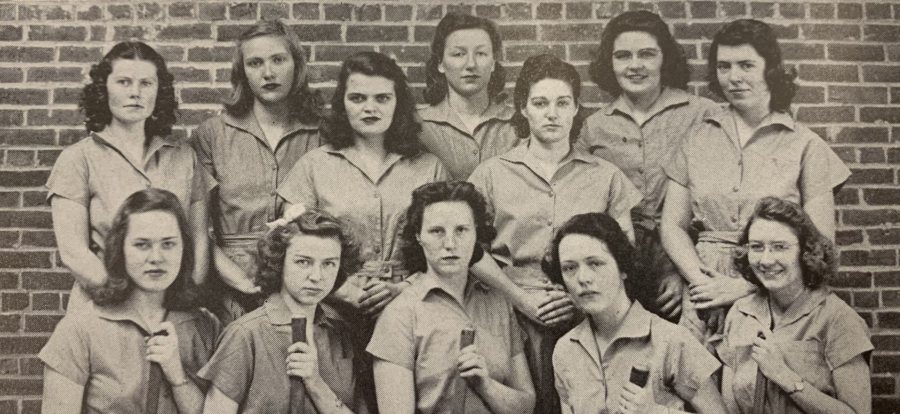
x,y
272,113
474,105
370,144
149,305
128,133
549,152
297,309
784,298
608,321
752,116
453,283
643,102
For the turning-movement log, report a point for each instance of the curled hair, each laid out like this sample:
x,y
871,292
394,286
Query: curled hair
x,y
437,192
402,137
182,293
436,86
602,228
95,98
306,105
761,36
818,261
674,71
273,247
536,69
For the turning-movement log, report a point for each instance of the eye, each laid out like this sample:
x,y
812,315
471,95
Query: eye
x,y
538,103
253,63
462,230
302,261
621,55
169,244
568,268
356,98
780,247
146,83
563,103
756,247
648,54
141,244
723,66
436,231
595,263
385,98
124,82
747,65
330,264
278,59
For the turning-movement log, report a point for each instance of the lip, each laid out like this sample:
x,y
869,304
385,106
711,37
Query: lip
x,y
371,119
636,77
450,258
155,273
311,290
271,86
552,126
587,294
135,106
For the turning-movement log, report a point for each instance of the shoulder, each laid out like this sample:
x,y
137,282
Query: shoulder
x,y
702,104
841,313
424,159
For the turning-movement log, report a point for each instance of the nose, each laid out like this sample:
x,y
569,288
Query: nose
x,y
267,71
583,276
470,60
733,75
552,112
315,274
368,105
449,242
635,62
155,255
766,256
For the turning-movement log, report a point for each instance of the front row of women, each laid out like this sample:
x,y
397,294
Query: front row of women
x,y
791,347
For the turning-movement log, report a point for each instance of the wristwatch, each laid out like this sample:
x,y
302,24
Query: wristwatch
x,y
796,387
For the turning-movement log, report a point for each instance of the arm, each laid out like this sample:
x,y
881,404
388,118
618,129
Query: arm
x,y
673,232
60,393
231,273
71,227
163,350
303,362
707,399
219,403
199,225
517,397
625,223
397,387
821,212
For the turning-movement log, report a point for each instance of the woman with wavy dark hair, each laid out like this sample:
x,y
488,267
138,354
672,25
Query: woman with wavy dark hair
x,y
466,121
792,347
271,119
301,262
749,150
144,317
365,174
591,256
424,362
534,188
645,71
129,111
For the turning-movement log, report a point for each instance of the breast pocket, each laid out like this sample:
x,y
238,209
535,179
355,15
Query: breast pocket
x,y
807,359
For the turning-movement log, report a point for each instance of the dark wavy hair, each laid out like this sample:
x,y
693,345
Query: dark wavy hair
x,y
402,137
605,229
818,261
675,73
182,294
306,105
763,39
436,87
95,100
437,192
273,247
536,69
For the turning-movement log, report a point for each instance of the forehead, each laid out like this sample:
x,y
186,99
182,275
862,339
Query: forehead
x,y
468,37
264,46
133,68
763,229
447,213
314,246
152,225
737,53
635,40
369,85
579,246
550,88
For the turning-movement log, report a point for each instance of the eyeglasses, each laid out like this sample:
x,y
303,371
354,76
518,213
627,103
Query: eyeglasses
x,y
775,247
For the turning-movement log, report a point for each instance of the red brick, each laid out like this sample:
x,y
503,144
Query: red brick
x,y
242,11
9,280
368,13
857,94
11,75
828,73
821,11
181,10
57,33
20,260
10,33
11,118
274,11
127,33
871,218
41,323
890,115
55,74
377,33
733,9
488,11
55,117
47,281
518,32
549,11
7,12
45,302
9,366
791,10
825,114
517,11
210,54
806,51
520,53
189,74
570,32
26,54
392,13
866,53
34,407
408,54
696,30
324,73
849,11
848,237
80,54
19,387
809,94
211,11
23,178
893,155
882,197
198,31
895,95
865,299
98,33
31,366
10,324
340,12
889,320
203,95
852,258
579,10
891,298
885,405
762,10
881,32
871,155
318,32
19,158
148,11
862,135
24,96
640,5
607,10
871,176
883,386
14,301
851,280
830,31
847,196
37,238
876,11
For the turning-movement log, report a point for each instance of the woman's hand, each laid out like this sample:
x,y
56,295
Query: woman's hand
x,y
472,366
669,295
163,350
634,400
377,294
556,308
303,361
718,290
772,363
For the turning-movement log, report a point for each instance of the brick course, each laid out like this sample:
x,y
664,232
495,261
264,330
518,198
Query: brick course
x,y
847,53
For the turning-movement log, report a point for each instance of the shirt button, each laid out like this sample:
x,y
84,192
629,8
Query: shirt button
x,y
551,194
274,168
377,249
272,193
641,170
734,219
375,195
474,152
640,144
735,189
624,139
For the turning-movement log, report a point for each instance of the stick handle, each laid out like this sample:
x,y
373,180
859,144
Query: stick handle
x,y
639,375
154,384
298,390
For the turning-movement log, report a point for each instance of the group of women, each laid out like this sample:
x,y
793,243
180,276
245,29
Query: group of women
x,y
470,256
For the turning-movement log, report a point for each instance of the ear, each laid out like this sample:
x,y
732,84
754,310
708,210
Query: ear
x,y
440,67
623,275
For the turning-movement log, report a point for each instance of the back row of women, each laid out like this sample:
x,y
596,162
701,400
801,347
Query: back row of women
x,y
347,219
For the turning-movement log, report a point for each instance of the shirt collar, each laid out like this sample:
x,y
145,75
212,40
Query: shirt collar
x,y
428,283
636,324
126,312
249,124
722,119
441,112
347,154
156,144
758,306
279,314
519,154
668,98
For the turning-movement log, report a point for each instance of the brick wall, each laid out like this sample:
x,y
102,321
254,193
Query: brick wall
x,y
847,53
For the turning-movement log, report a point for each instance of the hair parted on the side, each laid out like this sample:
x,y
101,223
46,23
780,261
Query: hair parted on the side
x,y
536,69
182,294
306,104
95,98
273,247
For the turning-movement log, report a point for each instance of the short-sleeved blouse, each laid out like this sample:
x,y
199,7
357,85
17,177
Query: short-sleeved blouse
x,y
249,365
782,159
103,348
640,151
247,171
816,336
96,173
591,383
528,209
445,135
373,207
420,331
